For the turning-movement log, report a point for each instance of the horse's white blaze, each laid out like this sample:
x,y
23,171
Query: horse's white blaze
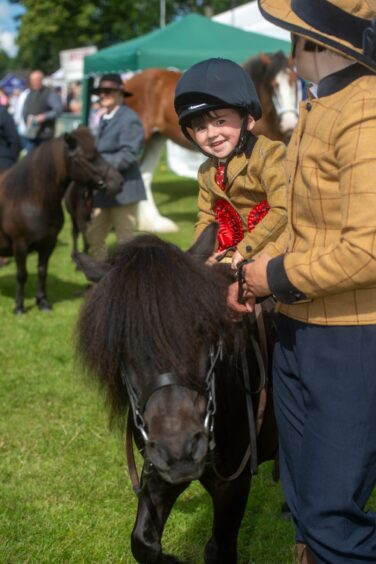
x,y
285,101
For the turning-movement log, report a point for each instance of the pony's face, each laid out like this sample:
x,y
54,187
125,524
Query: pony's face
x,y
87,166
177,438
285,100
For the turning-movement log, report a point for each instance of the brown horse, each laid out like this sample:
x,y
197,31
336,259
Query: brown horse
x,y
153,96
153,93
190,378
31,192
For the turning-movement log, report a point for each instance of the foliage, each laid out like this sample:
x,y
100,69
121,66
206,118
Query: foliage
x,y
6,62
48,27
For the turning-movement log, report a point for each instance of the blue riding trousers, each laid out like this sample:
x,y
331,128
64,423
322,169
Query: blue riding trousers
x,y
325,403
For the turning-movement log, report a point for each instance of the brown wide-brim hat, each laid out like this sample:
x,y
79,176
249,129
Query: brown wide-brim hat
x,y
347,27
111,81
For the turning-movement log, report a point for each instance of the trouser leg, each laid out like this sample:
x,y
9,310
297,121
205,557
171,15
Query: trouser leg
x,y
325,397
97,231
124,222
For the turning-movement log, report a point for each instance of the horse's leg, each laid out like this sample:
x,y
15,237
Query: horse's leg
x,y
149,218
154,505
75,235
229,503
43,258
20,254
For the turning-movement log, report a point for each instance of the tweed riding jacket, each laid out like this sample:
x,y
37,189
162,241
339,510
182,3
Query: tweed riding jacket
x,y
250,181
326,269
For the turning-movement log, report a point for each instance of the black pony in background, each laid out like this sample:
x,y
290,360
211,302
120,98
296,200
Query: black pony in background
x,y
156,335
31,193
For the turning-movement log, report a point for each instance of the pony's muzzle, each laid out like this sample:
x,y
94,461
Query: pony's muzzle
x,y
181,459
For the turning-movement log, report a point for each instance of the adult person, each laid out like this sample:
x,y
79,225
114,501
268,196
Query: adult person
x,y
19,118
119,139
9,148
41,108
9,140
323,272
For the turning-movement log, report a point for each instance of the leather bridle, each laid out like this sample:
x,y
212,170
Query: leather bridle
x,y
138,401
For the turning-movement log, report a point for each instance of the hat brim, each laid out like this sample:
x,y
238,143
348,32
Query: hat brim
x,y
280,13
98,90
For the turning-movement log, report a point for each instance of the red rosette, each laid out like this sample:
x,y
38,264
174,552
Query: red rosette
x,y
230,226
257,214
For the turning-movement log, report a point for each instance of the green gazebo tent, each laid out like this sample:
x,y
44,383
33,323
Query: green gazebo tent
x,y
178,45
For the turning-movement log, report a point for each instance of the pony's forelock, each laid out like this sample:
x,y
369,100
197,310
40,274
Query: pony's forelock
x,y
154,311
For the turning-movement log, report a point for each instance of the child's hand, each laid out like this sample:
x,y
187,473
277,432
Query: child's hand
x,y
236,258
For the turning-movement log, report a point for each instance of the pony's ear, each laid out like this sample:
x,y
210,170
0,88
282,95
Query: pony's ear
x,y
70,141
204,247
265,59
92,269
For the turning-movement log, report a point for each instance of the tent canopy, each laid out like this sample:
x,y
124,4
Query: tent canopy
x,y
178,45
181,44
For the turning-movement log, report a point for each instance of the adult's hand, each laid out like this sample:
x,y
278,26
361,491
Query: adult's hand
x,y
232,301
255,276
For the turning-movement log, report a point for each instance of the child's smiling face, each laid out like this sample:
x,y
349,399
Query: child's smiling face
x,y
217,132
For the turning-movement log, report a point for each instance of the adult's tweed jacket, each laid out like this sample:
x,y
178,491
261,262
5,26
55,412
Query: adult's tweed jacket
x,y
327,271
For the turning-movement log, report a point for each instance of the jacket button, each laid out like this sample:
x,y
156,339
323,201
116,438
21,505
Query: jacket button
x,y
249,249
309,106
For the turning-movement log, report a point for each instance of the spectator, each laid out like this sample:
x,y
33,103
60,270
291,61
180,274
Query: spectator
x,y
19,119
9,148
41,109
9,140
119,140
4,100
74,99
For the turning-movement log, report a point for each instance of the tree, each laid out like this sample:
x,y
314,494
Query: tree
x,y
6,62
48,27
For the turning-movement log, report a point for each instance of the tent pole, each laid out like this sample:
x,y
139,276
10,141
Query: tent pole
x,y
162,13
87,86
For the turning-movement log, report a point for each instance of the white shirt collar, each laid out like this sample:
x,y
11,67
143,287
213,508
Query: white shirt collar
x,y
111,114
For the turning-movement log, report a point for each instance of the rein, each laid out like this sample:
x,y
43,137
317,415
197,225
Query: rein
x,y
138,405
138,402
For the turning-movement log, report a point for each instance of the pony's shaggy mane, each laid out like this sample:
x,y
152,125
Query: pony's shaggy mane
x,y
154,310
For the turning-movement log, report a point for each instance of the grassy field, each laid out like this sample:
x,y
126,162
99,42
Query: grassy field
x,y
65,495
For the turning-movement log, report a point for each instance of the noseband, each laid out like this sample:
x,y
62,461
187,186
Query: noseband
x,y
100,184
138,402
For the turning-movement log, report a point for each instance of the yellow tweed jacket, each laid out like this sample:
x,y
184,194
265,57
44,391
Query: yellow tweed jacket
x,y
250,181
328,272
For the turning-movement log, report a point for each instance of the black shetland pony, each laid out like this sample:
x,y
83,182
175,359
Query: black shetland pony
x,y
31,192
156,335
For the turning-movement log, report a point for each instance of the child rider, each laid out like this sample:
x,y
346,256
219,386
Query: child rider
x,y
242,184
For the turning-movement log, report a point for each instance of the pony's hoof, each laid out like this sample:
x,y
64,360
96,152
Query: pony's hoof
x,y
43,305
19,310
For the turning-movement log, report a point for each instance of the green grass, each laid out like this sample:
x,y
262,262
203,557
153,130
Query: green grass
x,y
65,495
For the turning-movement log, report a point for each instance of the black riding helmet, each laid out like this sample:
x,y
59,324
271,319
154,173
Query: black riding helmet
x,y
213,84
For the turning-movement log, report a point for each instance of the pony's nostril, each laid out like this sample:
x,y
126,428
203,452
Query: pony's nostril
x,y
198,446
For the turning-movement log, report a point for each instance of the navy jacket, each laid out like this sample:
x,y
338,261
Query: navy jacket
x,y
120,140
9,140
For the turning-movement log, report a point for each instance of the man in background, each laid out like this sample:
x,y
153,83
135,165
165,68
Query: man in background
x,y
41,109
